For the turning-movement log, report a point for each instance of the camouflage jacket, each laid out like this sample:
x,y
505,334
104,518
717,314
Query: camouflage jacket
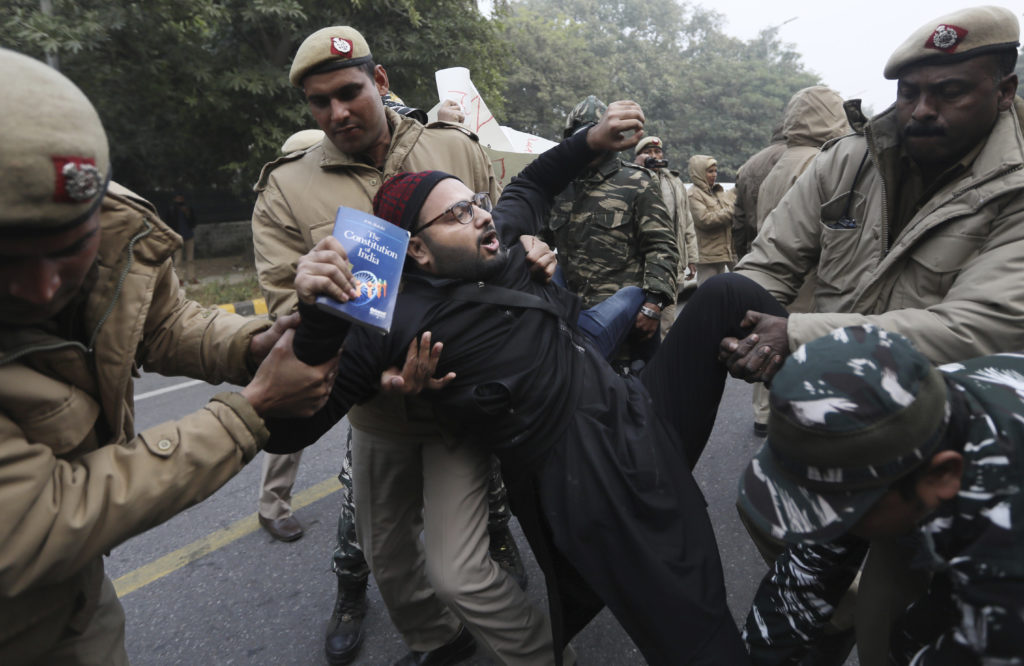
x,y
972,548
612,230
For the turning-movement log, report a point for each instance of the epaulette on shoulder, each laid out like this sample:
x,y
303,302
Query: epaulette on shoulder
x,y
831,142
441,124
124,195
283,159
633,165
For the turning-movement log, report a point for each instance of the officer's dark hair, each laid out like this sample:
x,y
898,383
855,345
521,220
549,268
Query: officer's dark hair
x,y
368,68
1004,63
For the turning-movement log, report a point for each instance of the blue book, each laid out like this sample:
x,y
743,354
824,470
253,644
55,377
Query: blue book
x,y
376,250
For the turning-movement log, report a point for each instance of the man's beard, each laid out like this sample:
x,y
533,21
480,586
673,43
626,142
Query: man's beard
x,y
455,263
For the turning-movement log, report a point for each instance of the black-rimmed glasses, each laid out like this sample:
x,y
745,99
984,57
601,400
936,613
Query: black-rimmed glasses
x,y
462,211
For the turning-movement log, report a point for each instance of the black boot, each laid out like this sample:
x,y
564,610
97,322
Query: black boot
x,y
505,553
345,630
457,649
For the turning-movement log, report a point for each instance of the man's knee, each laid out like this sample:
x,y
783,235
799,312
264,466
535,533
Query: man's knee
x,y
455,582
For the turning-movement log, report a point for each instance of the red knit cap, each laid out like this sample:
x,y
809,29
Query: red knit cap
x,y
400,198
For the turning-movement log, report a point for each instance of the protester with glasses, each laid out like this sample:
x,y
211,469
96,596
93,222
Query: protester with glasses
x,y
592,458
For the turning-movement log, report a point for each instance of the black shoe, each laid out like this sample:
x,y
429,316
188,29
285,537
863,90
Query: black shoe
x,y
283,529
461,647
505,552
345,630
760,429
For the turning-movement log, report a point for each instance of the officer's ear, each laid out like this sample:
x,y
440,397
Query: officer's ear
x,y
941,481
380,79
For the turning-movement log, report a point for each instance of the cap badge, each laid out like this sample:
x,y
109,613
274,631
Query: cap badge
x,y
946,38
78,179
341,46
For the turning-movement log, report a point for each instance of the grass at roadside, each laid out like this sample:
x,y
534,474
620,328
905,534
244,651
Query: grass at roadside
x,y
216,292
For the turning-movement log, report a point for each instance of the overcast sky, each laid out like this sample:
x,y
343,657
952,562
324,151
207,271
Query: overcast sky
x,y
846,48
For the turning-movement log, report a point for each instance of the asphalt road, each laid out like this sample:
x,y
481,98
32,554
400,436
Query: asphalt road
x,y
239,597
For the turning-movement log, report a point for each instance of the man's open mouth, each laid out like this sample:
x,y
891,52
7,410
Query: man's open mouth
x,y
489,240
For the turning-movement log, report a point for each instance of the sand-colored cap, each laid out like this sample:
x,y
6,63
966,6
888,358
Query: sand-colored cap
x,y
54,159
647,141
328,49
956,37
301,140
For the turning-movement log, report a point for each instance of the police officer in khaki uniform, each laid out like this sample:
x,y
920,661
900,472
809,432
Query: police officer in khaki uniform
x,y
650,153
88,295
393,439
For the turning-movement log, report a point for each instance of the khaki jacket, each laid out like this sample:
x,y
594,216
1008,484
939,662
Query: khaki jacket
x,y
299,193
813,117
75,478
748,185
711,209
952,281
673,193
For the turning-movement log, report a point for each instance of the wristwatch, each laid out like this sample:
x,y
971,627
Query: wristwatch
x,y
657,299
649,313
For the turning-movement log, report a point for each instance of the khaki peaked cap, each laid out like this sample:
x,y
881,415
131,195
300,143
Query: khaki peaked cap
x,y
55,160
955,37
647,141
328,49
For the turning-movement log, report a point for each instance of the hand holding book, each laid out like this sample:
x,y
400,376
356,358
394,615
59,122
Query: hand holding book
x,y
325,270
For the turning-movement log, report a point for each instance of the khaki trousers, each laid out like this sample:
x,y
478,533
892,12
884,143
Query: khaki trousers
x,y
276,482
407,485
759,401
102,642
705,271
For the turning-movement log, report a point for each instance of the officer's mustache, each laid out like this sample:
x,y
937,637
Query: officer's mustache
x,y
916,129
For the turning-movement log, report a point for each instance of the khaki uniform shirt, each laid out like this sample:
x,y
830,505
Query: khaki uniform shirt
x,y
299,195
76,479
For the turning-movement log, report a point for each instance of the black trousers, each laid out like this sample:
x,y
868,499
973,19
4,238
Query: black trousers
x,y
685,378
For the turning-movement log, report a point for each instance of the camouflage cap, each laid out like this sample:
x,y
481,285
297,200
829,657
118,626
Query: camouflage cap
x,y
328,49
647,141
590,110
955,37
851,412
55,161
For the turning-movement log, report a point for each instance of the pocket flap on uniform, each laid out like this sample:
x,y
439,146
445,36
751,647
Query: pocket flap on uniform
x,y
945,253
321,230
48,411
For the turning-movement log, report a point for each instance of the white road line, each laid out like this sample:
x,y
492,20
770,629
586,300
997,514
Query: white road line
x,y
168,389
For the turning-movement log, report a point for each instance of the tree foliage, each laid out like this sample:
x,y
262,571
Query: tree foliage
x,y
702,91
194,93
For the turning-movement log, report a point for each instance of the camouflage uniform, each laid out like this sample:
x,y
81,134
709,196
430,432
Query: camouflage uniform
x,y
959,577
612,229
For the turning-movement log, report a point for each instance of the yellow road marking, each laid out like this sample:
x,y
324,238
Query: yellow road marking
x,y
230,307
259,306
185,555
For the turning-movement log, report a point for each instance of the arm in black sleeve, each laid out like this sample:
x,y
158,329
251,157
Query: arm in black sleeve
x,y
525,201
358,379
319,335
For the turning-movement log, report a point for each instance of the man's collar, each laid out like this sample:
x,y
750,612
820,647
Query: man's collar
x,y
603,170
397,125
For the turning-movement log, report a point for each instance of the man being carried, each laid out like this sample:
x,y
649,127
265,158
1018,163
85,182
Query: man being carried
x,y
629,530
